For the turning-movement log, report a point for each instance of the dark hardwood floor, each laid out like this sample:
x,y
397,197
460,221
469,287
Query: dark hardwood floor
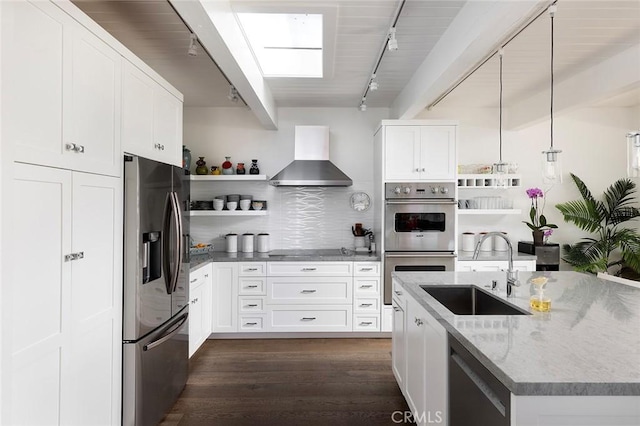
x,y
290,382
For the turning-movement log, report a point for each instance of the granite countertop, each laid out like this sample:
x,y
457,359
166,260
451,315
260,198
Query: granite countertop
x,y
589,344
318,255
494,255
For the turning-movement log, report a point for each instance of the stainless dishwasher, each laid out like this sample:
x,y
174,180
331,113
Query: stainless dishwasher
x,y
476,397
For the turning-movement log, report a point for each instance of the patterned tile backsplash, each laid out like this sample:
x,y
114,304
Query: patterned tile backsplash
x,y
297,217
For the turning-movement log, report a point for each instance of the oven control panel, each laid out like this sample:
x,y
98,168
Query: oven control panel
x,y
420,190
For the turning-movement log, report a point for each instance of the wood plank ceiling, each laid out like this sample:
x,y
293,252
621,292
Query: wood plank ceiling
x,y
587,31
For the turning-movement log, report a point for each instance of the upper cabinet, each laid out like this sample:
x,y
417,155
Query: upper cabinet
x,y
151,118
419,152
63,85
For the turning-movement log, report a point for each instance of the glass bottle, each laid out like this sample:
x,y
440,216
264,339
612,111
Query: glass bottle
x,y
254,170
539,302
186,158
240,169
202,167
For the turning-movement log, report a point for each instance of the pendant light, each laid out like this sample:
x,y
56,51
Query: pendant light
x,y
551,166
633,154
500,168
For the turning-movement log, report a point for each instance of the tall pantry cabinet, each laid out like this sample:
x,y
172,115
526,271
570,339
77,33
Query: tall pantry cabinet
x,y
61,214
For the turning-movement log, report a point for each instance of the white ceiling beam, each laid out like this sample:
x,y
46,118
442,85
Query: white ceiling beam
x,y
218,31
477,30
611,77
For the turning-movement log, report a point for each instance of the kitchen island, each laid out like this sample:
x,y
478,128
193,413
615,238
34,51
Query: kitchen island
x,y
578,363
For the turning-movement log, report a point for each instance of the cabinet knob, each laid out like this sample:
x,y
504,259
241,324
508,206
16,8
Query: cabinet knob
x,y
417,170
423,169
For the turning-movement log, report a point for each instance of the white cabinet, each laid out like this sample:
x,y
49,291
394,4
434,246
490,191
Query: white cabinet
x,y
224,297
494,265
200,282
64,86
252,290
66,341
151,118
398,340
419,152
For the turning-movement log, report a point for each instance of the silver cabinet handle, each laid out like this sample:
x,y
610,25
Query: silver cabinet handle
x,y
308,291
75,148
206,275
418,322
366,286
252,286
250,323
395,308
366,323
309,269
73,256
366,305
366,269
251,269
193,280
159,146
252,305
398,292
308,318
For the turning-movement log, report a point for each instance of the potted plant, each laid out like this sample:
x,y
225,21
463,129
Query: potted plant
x,y
538,224
612,245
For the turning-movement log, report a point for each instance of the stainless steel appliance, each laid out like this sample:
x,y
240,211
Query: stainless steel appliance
x,y
419,229
156,269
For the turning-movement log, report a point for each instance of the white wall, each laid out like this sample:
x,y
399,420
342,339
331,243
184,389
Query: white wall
x,y
593,145
297,217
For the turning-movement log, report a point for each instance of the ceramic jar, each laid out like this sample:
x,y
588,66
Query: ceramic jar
x,y
254,170
202,167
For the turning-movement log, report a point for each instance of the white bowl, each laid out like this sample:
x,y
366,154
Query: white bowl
x,y
232,205
257,205
245,204
218,204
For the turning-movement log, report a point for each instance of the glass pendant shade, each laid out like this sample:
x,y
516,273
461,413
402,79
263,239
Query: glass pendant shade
x,y
501,169
551,166
633,154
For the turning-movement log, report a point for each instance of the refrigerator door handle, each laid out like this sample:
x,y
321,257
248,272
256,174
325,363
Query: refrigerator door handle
x,y
170,332
166,248
179,239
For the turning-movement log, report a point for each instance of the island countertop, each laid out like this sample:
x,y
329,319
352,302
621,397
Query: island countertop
x,y
589,344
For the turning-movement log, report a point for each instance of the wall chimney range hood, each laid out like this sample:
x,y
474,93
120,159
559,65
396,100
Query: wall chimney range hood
x,y
311,165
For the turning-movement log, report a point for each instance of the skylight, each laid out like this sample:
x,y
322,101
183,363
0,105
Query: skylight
x,y
285,45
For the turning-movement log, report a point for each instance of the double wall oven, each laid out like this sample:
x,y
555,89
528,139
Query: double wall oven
x,y
419,229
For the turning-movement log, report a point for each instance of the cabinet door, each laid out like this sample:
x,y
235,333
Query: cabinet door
x,y
398,342
91,390
39,295
401,153
436,370
416,357
224,297
437,152
137,111
195,319
167,134
206,303
32,69
92,90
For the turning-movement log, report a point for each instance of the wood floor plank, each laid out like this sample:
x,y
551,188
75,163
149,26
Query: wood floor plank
x,y
290,382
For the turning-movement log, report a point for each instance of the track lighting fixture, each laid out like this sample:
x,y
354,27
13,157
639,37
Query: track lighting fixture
x,y
233,94
392,44
373,84
363,105
193,47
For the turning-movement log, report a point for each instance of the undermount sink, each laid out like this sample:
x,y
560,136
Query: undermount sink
x,y
470,300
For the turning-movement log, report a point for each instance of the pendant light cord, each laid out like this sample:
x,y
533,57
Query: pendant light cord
x,y
552,13
501,52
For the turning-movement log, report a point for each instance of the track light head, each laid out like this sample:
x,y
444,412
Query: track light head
x,y
233,94
392,44
363,105
373,84
193,47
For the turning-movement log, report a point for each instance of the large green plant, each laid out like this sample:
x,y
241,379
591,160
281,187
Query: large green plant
x,y
603,219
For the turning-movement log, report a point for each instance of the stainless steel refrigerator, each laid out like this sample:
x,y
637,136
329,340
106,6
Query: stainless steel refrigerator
x,y
156,274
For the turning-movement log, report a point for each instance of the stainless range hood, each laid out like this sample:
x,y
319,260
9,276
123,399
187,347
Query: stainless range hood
x,y
311,165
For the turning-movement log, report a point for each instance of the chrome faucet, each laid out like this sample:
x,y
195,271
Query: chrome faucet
x,y
512,275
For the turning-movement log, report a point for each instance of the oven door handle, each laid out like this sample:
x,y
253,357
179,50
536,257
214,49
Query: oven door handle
x,y
414,254
444,201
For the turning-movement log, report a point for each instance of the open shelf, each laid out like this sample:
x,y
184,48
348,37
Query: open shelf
x,y
488,211
220,178
487,181
228,213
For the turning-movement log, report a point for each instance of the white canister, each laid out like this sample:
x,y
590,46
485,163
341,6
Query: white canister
x,y
232,243
247,243
500,244
468,241
487,244
263,243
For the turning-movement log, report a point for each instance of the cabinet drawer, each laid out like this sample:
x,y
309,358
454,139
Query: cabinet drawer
x,y
325,269
199,276
294,290
366,305
251,323
366,287
309,318
252,269
366,323
250,304
252,286
366,269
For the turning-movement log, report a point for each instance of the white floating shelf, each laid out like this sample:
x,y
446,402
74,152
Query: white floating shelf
x,y
488,211
487,181
228,213
219,178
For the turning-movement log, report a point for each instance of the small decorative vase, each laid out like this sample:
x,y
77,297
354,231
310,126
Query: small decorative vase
x,y
215,170
186,158
227,168
240,169
254,170
538,238
202,167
